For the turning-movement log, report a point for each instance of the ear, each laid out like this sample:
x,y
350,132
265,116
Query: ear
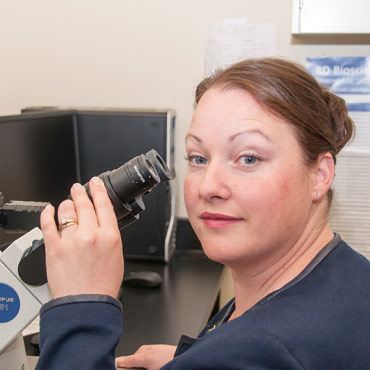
x,y
323,175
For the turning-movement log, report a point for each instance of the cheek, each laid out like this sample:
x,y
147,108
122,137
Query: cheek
x,y
287,193
271,194
190,193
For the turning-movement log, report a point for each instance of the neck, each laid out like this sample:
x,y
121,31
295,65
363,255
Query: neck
x,y
253,284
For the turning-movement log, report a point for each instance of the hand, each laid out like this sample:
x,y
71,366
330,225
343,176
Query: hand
x,y
86,257
150,357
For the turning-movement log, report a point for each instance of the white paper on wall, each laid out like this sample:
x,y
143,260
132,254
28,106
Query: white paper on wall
x,y
235,39
349,77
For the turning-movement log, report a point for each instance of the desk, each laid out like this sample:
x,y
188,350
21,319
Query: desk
x,y
181,305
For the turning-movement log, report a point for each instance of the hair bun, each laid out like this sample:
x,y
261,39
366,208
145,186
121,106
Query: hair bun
x,y
343,126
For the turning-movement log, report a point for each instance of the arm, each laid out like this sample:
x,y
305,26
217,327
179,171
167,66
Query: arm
x,y
79,332
81,326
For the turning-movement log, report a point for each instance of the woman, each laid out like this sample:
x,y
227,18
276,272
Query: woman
x,y
261,152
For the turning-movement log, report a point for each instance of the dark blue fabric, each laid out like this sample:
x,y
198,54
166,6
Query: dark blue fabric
x,y
79,332
321,322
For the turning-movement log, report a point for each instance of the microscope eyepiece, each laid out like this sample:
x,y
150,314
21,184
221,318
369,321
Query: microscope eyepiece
x,y
159,164
126,184
133,178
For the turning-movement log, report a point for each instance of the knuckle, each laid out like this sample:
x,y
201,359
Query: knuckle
x,y
53,253
83,202
66,204
113,238
57,253
142,348
87,238
46,225
102,197
103,202
45,222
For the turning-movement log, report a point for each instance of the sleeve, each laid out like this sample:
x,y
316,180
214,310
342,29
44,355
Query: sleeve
x,y
79,332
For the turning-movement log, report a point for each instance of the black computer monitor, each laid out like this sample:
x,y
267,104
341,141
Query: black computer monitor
x,y
107,138
37,159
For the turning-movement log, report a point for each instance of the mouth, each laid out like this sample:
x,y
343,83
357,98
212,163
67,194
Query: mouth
x,y
218,220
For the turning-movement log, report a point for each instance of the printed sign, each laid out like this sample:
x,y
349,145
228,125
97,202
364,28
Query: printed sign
x,y
9,303
342,75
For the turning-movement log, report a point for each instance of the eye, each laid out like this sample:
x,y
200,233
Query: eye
x,y
249,159
196,160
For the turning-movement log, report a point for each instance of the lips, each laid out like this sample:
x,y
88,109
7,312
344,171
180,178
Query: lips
x,y
218,220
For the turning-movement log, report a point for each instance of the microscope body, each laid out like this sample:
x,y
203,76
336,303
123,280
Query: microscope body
x,y
20,303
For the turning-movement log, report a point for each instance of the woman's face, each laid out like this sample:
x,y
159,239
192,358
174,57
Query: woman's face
x,y
247,191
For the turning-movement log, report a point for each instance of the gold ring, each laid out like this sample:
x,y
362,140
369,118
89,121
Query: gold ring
x,y
67,222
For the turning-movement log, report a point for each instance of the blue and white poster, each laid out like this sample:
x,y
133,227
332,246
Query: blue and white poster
x,y
349,77
342,75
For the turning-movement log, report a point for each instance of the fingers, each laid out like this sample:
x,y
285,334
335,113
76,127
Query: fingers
x,y
132,361
90,215
103,205
138,359
151,357
67,216
66,210
85,211
48,226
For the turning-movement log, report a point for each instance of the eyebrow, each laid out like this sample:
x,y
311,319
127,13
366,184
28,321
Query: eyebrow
x,y
250,131
191,136
232,137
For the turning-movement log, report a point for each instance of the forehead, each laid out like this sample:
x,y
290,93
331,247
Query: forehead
x,y
223,113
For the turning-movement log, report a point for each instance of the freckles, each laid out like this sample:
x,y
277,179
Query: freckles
x,y
188,185
190,192
283,184
284,196
269,195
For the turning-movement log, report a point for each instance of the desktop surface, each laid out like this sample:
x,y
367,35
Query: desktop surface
x,y
182,304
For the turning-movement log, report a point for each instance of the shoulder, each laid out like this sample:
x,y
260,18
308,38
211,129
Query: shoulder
x,y
337,286
344,269
320,322
324,318
346,252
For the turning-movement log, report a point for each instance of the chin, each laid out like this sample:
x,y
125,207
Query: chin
x,y
221,253
231,250
223,246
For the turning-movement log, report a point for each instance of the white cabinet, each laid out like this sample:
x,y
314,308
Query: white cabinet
x,y
330,17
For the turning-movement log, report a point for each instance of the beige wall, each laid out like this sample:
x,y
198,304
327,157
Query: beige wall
x,y
226,287
120,53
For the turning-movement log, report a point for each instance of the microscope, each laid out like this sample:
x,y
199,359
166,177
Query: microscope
x,y
23,279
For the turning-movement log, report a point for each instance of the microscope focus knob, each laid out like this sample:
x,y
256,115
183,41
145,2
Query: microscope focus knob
x,y
32,268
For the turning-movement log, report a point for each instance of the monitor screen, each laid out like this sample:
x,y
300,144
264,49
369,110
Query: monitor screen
x,y
109,139
37,158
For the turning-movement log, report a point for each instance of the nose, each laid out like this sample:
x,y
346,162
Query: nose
x,y
213,185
